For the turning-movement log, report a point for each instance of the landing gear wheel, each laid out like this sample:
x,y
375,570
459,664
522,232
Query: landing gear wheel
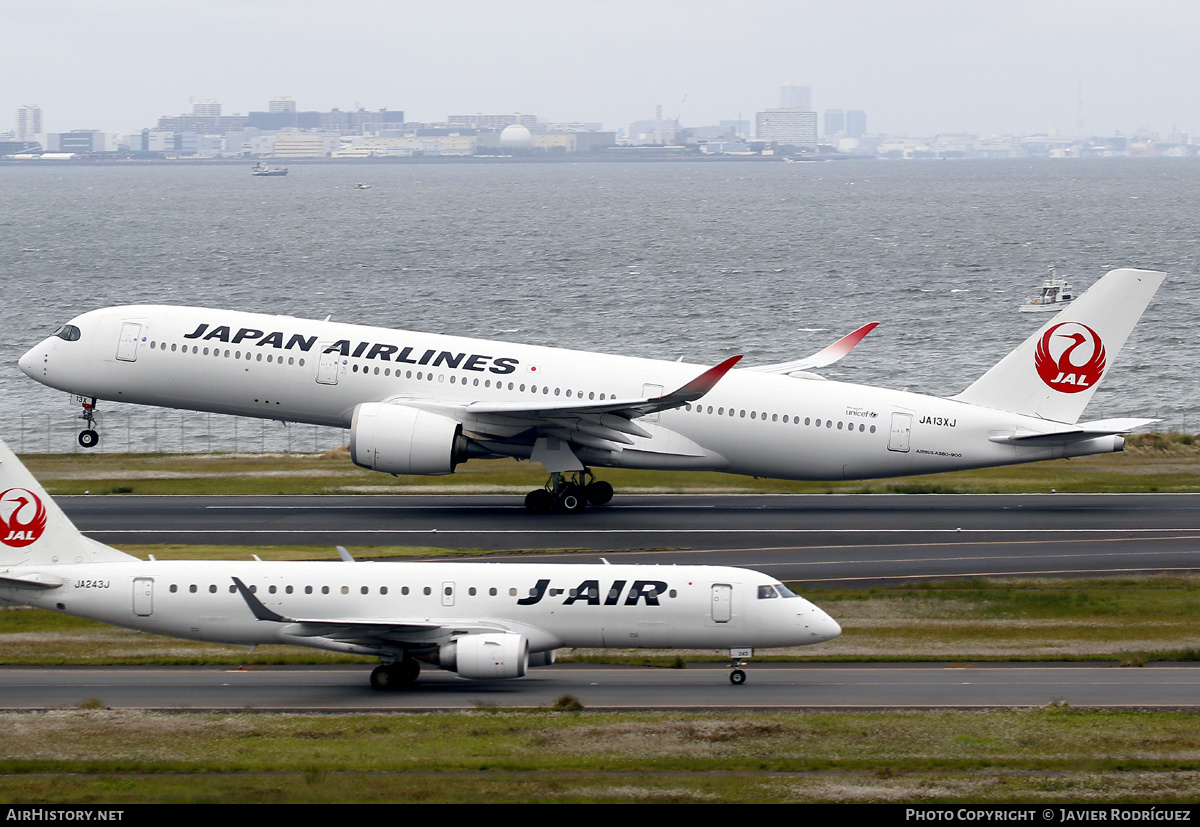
x,y
572,500
89,438
381,677
388,677
737,677
599,492
568,495
409,670
539,501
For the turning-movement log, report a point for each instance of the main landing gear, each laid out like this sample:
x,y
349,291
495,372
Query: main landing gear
x,y
395,675
89,437
569,496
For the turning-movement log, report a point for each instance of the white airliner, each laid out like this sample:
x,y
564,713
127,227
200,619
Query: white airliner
x,y
481,620
420,403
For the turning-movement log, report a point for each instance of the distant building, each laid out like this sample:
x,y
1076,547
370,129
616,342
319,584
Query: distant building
x,y
207,108
79,141
281,104
835,123
208,124
358,122
856,123
788,127
29,122
480,121
301,145
795,96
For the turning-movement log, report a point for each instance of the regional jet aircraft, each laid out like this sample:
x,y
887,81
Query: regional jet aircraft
x,y
481,620
420,403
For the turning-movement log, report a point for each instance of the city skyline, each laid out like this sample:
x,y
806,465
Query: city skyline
x,y
931,66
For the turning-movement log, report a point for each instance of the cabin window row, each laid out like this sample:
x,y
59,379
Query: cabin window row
x,y
590,592
429,376
408,374
236,354
787,418
404,590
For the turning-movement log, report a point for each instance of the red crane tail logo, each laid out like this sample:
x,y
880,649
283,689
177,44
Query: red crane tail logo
x,y
1070,357
22,517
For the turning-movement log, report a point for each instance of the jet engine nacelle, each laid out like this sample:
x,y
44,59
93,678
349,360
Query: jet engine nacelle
x,y
483,657
399,439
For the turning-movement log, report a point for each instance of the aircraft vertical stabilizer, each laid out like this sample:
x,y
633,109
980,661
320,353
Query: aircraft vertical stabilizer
x,y
1054,373
34,530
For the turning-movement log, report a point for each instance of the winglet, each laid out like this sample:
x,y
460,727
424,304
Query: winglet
x,y
840,348
820,359
703,383
260,611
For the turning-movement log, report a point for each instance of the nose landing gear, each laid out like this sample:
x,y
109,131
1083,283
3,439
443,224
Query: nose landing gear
x,y
89,437
568,495
737,659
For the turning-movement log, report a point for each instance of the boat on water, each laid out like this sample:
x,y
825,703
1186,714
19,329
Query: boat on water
x,y
362,186
1055,294
261,169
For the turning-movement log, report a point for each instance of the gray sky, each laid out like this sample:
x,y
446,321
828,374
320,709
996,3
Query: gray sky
x,y
917,67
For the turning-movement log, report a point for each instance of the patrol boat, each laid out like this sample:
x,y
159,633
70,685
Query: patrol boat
x,y
1055,294
263,170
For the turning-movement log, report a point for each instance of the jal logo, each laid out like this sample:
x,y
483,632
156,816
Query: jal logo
x,y
1070,357
22,517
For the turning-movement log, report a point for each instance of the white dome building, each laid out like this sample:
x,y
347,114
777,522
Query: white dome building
x,y
516,137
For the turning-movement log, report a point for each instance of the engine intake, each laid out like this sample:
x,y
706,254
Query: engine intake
x,y
398,439
483,657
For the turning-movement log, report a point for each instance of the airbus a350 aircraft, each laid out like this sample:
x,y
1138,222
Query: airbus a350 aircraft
x,y
481,620
419,403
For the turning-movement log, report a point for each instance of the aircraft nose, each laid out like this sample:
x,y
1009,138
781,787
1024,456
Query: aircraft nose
x,y
820,626
28,360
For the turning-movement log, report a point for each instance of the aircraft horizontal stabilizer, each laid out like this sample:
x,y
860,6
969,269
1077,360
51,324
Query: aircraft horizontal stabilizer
x,y
37,582
822,359
1075,433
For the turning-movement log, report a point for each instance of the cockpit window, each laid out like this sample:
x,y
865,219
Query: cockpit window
x,y
775,590
68,332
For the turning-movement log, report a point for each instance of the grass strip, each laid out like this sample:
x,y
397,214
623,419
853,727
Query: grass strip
x,y
1151,463
1049,755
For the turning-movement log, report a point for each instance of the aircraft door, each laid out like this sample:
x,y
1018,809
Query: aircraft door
x,y
127,345
650,392
722,602
327,366
901,430
143,596
448,593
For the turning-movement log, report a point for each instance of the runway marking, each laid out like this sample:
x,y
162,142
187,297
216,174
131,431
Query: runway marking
x,y
525,554
602,531
1025,573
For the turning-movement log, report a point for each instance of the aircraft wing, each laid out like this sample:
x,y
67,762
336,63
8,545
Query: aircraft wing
x,y
822,359
627,408
604,425
336,633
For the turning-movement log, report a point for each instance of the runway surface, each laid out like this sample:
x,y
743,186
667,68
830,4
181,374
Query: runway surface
x,y
863,539
699,687
853,540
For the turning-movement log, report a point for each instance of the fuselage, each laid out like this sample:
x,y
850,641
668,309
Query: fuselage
x,y
552,606
298,370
